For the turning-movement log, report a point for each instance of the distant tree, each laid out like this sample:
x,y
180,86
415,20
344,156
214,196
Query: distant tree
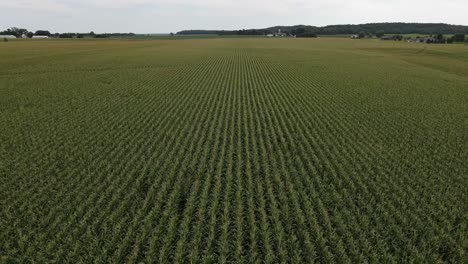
x,y
362,34
450,40
388,28
79,35
440,38
307,35
459,38
172,34
30,34
42,33
380,33
300,30
5,40
6,32
14,31
66,35
17,32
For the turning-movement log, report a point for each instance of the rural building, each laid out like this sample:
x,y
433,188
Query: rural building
x,y
7,36
354,36
423,40
278,34
394,37
40,37
387,38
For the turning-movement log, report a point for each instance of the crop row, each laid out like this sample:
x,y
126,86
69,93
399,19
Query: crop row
x,y
231,155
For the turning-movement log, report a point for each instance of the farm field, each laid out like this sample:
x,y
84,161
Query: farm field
x,y
233,151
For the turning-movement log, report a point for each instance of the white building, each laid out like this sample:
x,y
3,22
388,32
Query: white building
x,y
40,37
280,34
7,36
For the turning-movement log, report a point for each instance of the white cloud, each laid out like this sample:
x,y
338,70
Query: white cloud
x,y
172,15
56,5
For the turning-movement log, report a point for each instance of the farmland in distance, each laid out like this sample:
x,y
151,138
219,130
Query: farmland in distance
x,y
233,150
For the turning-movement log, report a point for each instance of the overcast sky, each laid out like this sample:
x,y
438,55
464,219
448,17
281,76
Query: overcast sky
x,y
161,16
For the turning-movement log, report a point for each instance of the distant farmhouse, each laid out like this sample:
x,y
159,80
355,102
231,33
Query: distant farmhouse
x,y
40,37
278,34
423,40
394,37
386,38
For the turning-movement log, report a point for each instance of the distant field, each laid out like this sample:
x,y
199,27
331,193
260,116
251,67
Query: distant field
x,y
233,150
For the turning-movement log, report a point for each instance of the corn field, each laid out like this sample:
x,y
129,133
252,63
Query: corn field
x,y
233,151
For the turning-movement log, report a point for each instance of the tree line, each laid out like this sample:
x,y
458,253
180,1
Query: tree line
x,y
24,33
431,39
372,28
439,38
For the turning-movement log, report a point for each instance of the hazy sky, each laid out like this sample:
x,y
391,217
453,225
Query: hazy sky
x,y
160,16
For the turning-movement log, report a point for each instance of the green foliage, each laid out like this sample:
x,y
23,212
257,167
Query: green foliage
x,y
17,32
377,28
307,35
67,35
380,33
459,38
42,33
441,39
233,151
